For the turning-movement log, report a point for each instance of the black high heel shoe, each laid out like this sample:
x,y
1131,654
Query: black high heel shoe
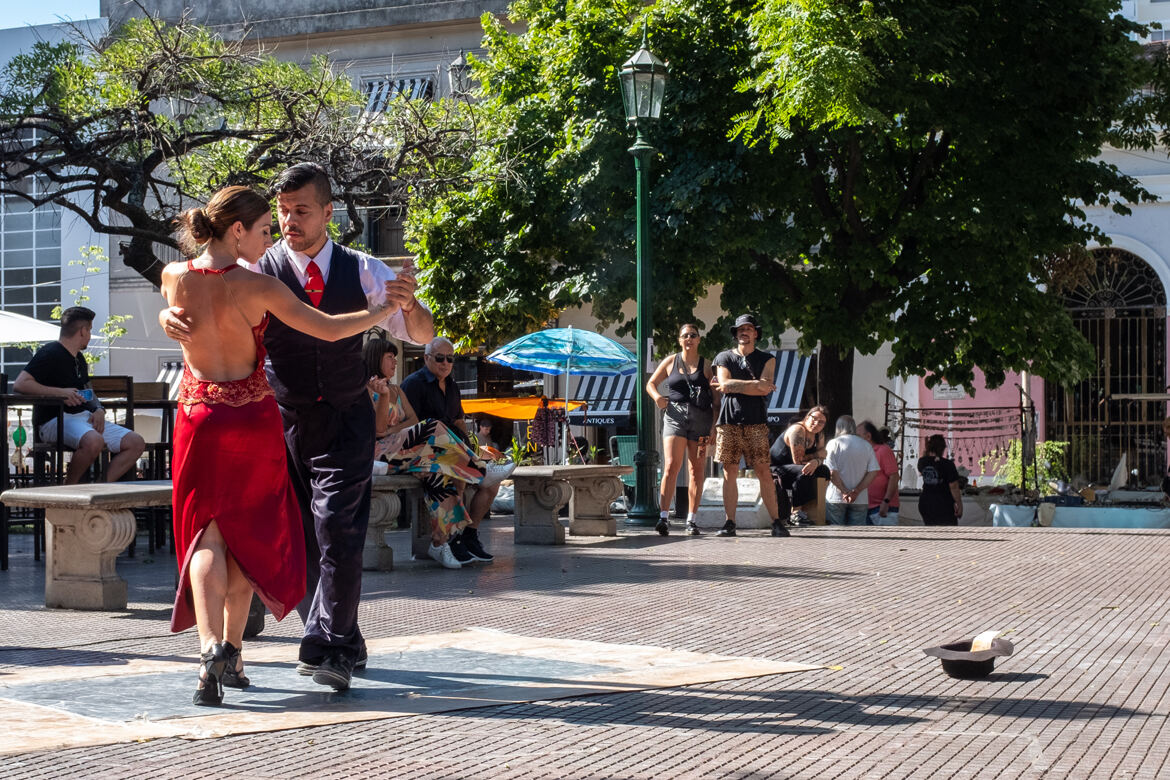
x,y
210,690
231,677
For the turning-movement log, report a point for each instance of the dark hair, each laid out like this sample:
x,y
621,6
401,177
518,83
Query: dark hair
x,y
936,445
686,325
819,408
372,353
73,318
877,435
304,175
227,207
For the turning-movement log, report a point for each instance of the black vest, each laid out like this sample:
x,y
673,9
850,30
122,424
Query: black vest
x,y
300,368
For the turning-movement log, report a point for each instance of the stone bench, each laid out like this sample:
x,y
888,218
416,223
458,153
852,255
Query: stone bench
x,y
541,491
385,508
86,527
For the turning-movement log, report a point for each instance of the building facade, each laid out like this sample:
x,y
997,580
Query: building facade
x,y
409,48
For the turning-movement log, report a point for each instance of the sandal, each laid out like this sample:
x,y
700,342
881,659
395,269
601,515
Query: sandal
x,y
210,690
233,673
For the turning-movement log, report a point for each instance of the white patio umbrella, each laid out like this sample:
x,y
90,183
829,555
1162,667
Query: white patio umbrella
x,y
19,329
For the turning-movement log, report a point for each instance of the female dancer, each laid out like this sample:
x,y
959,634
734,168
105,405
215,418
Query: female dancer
x,y
688,422
940,502
237,525
430,451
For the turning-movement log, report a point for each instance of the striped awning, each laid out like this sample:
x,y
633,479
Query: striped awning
x,y
379,92
791,375
171,373
608,400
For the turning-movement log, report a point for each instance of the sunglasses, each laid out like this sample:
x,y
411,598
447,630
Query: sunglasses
x,y
690,335
443,358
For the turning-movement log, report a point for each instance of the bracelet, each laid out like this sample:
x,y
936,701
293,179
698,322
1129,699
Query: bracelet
x,y
885,500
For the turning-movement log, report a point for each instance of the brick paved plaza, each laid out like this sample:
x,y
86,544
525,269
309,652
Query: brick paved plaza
x,y
1084,696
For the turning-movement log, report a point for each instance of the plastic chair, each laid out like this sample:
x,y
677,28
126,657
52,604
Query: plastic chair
x,y
621,452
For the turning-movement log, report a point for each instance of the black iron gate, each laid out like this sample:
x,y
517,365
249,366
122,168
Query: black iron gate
x,y
1121,310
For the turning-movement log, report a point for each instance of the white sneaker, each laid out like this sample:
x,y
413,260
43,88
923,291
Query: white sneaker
x,y
497,473
443,555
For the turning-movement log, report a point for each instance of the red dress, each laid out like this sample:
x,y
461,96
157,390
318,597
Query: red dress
x,y
230,466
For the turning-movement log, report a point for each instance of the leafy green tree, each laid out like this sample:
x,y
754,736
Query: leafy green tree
x,y
865,172
128,131
93,260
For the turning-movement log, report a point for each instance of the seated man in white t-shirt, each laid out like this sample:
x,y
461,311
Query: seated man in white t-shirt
x,y
852,466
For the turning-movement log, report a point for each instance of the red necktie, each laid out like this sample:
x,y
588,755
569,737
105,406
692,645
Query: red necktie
x,y
315,286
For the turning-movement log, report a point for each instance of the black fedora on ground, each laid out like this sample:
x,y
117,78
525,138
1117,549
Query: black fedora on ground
x,y
960,662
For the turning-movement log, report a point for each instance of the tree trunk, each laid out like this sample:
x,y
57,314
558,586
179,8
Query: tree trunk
x,y
139,255
835,382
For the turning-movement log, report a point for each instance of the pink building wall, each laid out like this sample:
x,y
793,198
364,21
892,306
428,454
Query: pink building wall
x,y
976,425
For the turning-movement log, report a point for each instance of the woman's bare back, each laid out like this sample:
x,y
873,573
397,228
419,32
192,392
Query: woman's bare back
x,y
218,305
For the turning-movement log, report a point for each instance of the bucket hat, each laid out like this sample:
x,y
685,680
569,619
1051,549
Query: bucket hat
x,y
747,319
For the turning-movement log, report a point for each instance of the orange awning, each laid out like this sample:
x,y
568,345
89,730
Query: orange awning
x,y
513,408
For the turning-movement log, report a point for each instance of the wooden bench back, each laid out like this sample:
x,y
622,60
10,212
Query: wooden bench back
x,y
151,391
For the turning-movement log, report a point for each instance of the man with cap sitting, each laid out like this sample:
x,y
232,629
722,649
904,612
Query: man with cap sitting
x,y
744,375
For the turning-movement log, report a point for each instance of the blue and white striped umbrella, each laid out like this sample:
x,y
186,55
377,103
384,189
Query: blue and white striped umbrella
x,y
567,351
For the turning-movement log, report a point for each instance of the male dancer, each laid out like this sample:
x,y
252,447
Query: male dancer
x,y
327,415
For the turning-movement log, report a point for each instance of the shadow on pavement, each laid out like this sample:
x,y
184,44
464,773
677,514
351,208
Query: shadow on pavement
x,y
774,712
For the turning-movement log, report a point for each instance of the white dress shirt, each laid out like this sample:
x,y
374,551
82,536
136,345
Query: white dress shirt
x,y
372,272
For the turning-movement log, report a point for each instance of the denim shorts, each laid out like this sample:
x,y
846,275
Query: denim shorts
x,y
683,419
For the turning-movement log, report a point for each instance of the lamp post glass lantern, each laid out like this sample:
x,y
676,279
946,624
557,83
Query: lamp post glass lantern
x,y
459,75
643,81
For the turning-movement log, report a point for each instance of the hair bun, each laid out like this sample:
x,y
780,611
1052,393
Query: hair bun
x,y
201,229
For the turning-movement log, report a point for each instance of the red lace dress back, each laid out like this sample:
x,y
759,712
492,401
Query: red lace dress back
x,y
230,466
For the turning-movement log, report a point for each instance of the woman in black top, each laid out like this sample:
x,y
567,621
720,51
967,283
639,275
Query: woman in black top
x,y
688,423
940,503
798,461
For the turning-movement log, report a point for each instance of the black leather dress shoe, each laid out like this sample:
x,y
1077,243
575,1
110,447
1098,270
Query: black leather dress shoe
x,y
335,671
307,668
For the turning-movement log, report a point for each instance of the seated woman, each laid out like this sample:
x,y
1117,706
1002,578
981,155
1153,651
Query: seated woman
x,y
429,450
798,460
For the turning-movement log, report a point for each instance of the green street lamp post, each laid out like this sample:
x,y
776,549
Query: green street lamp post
x,y
643,80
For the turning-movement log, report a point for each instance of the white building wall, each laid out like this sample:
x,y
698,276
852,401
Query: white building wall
x,y
74,233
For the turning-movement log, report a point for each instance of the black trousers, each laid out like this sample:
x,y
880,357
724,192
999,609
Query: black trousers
x,y
330,459
803,486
